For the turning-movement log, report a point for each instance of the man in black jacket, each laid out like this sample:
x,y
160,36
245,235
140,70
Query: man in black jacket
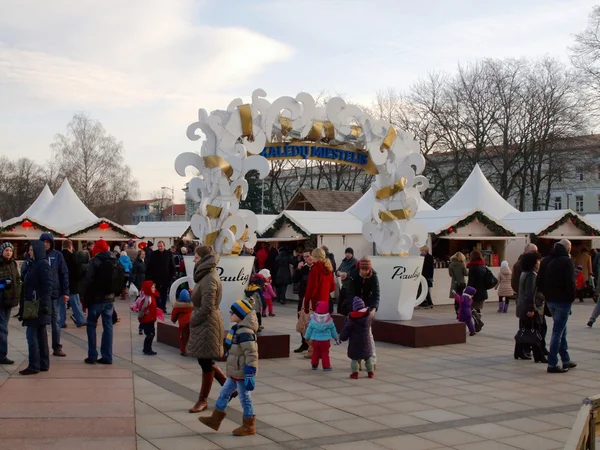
x,y
161,270
556,279
427,272
301,277
76,274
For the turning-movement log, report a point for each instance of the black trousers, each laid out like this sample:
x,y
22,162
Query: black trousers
x,y
149,332
206,364
343,307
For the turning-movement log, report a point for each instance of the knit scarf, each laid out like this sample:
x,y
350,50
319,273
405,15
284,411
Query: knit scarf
x,y
229,338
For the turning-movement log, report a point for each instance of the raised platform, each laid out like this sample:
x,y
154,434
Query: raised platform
x,y
270,344
418,332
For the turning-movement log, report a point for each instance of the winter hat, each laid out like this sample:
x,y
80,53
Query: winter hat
x,y
265,273
350,250
5,246
364,263
150,244
184,296
470,290
241,308
147,287
123,253
322,308
504,264
99,246
358,304
130,243
580,268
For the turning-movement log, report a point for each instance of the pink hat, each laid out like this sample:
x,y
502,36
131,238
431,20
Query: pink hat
x,y
322,308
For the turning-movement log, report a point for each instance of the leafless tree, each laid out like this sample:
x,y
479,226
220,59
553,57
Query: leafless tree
x,y
585,54
21,181
93,161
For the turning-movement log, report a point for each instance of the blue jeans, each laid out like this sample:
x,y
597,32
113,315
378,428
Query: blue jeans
x,y
56,307
558,342
39,354
4,316
95,311
244,396
75,303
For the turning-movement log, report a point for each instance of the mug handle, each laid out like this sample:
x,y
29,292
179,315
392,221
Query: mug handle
x,y
424,289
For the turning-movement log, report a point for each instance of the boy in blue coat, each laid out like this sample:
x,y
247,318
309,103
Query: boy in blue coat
x,y
320,331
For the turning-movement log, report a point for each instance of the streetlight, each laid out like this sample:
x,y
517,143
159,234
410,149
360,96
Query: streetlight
x,y
172,200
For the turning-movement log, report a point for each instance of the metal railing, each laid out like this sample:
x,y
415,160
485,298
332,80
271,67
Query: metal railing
x,y
583,434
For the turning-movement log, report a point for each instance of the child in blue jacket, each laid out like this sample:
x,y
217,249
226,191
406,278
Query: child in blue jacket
x,y
320,331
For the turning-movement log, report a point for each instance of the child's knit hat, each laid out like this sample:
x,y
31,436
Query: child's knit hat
x,y
322,308
364,263
184,296
470,290
265,273
5,246
241,308
358,304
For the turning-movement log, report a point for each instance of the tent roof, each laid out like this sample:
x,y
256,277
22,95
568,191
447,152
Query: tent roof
x,y
478,193
65,210
265,221
437,221
323,200
39,204
159,229
362,208
537,221
325,222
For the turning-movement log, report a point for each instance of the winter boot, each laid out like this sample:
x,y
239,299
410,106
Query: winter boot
x,y
354,375
202,404
371,374
213,421
500,306
221,379
247,428
505,309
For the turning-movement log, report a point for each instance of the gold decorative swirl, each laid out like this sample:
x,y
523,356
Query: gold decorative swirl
x,y
396,214
388,191
214,161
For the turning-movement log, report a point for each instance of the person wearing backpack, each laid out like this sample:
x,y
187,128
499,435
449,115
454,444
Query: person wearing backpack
x,y
104,280
482,279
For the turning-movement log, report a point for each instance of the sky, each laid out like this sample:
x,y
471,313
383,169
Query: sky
x,y
143,68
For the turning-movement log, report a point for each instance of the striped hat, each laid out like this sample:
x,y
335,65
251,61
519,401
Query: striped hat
x,y
5,246
241,308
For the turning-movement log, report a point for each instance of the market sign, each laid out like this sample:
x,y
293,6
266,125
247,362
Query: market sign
x,y
319,152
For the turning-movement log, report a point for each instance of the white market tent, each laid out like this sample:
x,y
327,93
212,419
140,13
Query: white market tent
x,y
362,208
169,232
39,204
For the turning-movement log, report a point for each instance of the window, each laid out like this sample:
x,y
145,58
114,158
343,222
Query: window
x,y
558,202
579,203
579,174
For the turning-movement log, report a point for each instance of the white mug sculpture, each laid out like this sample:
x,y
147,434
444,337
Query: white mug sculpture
x,y
399,280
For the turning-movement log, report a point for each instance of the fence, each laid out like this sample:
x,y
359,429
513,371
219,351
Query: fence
x,y
583,434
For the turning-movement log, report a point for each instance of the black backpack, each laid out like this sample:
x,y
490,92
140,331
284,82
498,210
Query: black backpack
x,y
109,277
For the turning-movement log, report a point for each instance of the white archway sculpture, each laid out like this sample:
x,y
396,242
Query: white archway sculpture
x,y
235,138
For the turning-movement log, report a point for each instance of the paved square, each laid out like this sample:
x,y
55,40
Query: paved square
x,y
465,397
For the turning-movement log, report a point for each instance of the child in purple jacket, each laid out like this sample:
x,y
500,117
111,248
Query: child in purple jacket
x,y
465,302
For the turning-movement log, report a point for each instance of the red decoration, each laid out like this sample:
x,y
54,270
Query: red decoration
x,y
35,228
142,245
62,235
26,224
12,229
450,230
104,226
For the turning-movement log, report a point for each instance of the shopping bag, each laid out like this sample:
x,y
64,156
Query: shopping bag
x,y
133,291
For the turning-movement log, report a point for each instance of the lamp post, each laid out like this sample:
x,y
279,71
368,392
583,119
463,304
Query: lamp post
x,y
172,189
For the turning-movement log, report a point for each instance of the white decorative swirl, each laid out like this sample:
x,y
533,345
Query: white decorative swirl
x,y
221,182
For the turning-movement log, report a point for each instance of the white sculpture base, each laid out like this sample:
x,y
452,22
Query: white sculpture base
x,y
234,272
399,279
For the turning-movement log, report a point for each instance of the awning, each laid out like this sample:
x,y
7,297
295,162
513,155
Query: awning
x,y
282,239
482,238
571,238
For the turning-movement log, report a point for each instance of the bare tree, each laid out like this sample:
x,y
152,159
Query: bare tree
x,y
21,181
93,161
159,204
585,54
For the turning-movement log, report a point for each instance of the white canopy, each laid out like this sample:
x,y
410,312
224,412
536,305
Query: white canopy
x,y
478,193
437,221
325,222
65,210
537,221
265,221
362,208
39,204
151,230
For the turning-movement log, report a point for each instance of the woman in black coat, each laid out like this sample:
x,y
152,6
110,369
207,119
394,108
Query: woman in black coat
x,y
530,314
357,327
477,271
283,278
138,271
37,287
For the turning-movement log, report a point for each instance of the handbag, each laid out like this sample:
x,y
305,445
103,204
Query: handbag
x,y
477,322
303,320
526,336
489,280
31,308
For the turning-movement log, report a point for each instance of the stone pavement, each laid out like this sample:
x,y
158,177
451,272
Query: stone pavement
x,y
466,397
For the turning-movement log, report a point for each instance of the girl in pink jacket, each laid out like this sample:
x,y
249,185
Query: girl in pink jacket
x,y
268,293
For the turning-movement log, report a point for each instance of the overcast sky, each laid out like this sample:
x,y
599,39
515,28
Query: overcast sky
x,y
144,67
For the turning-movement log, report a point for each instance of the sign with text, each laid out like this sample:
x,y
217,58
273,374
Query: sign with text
x,y
317,152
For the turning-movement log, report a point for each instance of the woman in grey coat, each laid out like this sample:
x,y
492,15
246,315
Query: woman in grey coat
x,y
457,271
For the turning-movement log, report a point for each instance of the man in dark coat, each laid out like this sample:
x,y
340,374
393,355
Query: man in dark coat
x,y
516,272
283,278
556,279
60,288
76,274
161,270
347,266
301,277
427,271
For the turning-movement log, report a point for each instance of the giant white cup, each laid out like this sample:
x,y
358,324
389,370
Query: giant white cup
x,y
399,279
234,272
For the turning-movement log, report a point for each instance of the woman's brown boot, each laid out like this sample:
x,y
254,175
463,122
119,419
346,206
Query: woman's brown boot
x,y
213,421
202,403
221,379
247,428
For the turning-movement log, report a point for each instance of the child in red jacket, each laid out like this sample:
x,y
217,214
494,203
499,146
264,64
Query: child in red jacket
x,y
147,315
182,311
579,283
268,293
